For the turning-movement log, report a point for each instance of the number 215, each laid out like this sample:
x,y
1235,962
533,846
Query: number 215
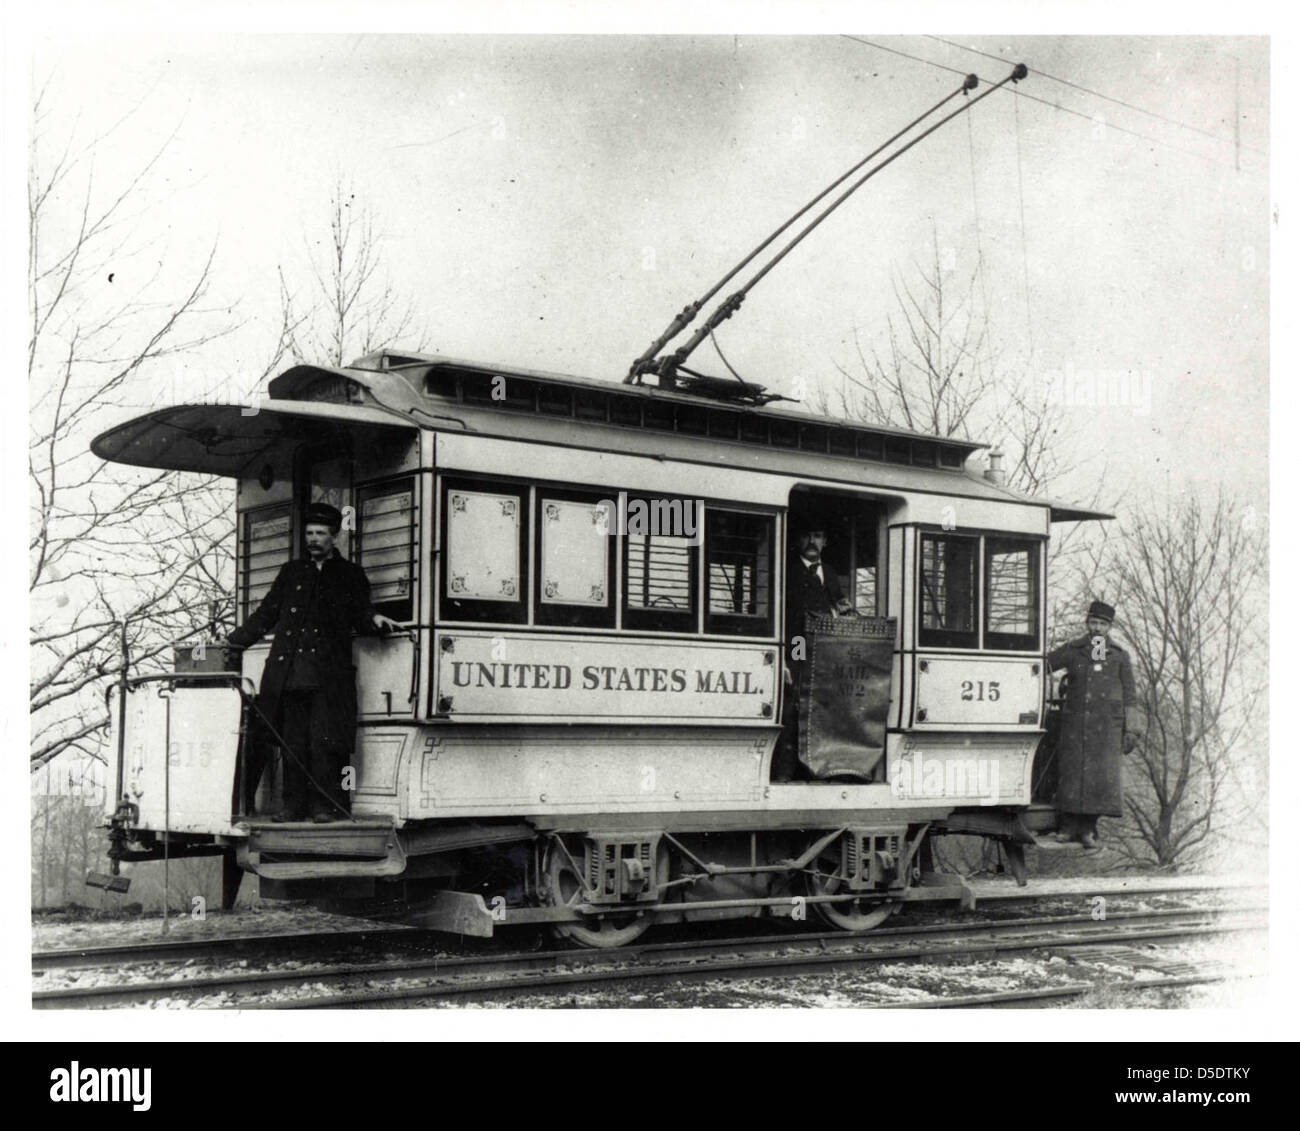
x,y
979,691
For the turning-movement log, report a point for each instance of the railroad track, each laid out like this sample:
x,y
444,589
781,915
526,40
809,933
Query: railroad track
x,y
315,942
425,980
1054,995
1010,894
218,946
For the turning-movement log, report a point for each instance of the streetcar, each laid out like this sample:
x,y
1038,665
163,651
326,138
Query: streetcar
x,y
578,723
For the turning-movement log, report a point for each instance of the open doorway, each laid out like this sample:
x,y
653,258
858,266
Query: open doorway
x,y
834,708
853,543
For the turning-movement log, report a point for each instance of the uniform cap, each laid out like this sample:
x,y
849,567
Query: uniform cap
x,y
324,515
1101,609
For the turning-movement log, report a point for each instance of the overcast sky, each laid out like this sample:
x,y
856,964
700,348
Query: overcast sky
x,y
551,202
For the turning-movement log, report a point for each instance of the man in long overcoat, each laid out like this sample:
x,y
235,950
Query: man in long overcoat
x,y
308,698
810,587
1100,719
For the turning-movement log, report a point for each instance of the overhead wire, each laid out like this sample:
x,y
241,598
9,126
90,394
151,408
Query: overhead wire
x,y
1099,94
729,306
904,54
682,320
975,202
1024,243
1053,105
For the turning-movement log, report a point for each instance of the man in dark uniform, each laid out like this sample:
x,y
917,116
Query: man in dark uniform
x,y
308,691
810,587
1100,719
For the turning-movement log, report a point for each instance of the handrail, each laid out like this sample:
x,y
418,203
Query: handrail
x,y
242,683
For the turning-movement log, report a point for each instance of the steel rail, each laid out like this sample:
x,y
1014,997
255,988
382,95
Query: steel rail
x,y
1016,894
162,950
177,949
666,959
785,966
1011,998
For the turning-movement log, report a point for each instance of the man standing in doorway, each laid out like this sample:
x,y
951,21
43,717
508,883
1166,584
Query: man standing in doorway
x,y
1099,720
308,693
810,587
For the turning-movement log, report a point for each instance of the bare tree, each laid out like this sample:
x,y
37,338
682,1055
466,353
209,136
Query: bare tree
x,y
119,555
353,307
67,803
937,374
107,544
941,372
1191,578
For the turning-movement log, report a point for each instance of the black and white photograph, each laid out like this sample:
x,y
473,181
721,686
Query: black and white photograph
x,y
650,521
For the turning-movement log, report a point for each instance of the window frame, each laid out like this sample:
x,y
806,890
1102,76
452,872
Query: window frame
x,y
556,614
944,637
246,518
513,611
876,562
740,624
621,617
658,620
359,538
307,456
1007,641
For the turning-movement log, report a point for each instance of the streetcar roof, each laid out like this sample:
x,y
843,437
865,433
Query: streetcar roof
x,y
1069,512
393,377
395,391
230,440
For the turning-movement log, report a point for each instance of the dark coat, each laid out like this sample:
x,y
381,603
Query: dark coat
x,y
1089,752
343,607
804,594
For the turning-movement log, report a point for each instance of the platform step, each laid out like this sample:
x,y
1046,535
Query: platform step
x,y
338,838
1048,843
1039,818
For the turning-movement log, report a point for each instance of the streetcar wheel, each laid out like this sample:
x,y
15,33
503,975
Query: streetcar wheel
x,y
826,877
564,888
